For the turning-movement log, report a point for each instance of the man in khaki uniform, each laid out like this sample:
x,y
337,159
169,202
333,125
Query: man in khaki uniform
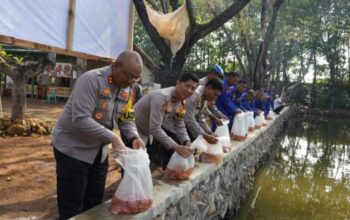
x,y
161,114
212,111
83,132
196,106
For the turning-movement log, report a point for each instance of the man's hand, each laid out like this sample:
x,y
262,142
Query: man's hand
x,y
238,111
118,144
183,150
222,117
211,139
138,143
218,122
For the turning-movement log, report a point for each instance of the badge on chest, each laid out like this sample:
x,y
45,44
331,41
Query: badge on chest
x,y
180,111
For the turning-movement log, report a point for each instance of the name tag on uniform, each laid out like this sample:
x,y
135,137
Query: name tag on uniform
x,y
180,112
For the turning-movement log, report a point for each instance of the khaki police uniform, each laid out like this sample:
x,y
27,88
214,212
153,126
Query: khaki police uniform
x,y
81,138
212,111
94,108
196,107
158,111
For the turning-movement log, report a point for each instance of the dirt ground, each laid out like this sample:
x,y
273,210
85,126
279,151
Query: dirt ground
x,y
27,170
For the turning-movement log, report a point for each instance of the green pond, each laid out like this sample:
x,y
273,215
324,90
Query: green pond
x,y
308,175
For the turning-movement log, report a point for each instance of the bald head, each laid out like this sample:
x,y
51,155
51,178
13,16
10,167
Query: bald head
x,y
130,57
127,68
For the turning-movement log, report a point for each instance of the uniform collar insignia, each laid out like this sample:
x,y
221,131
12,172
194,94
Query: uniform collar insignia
x,y
110,80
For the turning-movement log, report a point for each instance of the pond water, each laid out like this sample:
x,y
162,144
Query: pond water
x,y
308,176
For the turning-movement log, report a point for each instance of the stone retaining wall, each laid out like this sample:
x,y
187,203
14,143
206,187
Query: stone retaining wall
x,y
213,191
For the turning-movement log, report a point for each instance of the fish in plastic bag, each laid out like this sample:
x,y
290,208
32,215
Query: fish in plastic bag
x,y
135,191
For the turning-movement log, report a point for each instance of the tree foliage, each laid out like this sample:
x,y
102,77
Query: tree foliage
x,y
20,70
309,41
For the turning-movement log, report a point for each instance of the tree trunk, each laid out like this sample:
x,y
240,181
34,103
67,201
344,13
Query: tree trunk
x,y
277,77
20,73
301,71
170,71
285,75
261,56
332,83
313,88
18,98
349,66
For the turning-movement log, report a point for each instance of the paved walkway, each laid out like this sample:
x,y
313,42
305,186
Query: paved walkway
x,y
37,108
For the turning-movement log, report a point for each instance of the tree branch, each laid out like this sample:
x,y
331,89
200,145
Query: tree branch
x,y
31,69
191,16
247,48
200,31
146,59
263,14
154,6
234,48
174,4
268,37
6,69
164,6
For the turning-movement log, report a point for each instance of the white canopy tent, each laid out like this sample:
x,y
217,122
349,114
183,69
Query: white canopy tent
x,y
83,28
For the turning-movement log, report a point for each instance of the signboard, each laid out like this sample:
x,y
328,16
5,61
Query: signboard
x,y
64,70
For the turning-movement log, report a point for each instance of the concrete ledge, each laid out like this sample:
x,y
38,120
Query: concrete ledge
x,y
212,190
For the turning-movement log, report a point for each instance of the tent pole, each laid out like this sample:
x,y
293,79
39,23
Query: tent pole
x,y
71,19
131,25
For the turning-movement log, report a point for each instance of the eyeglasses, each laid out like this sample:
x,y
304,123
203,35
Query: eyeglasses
x,y
130,76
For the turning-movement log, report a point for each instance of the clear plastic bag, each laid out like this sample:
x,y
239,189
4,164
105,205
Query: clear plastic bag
x,y
239,130
200,144
270,116
259,120
264,123
251,123
223,134
179,168
246,120
135,191
213,154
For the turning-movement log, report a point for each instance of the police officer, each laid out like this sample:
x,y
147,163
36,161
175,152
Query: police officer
x,y
247,102
212,111
261,103
196,106
161,114
215,72
225,102
83,132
